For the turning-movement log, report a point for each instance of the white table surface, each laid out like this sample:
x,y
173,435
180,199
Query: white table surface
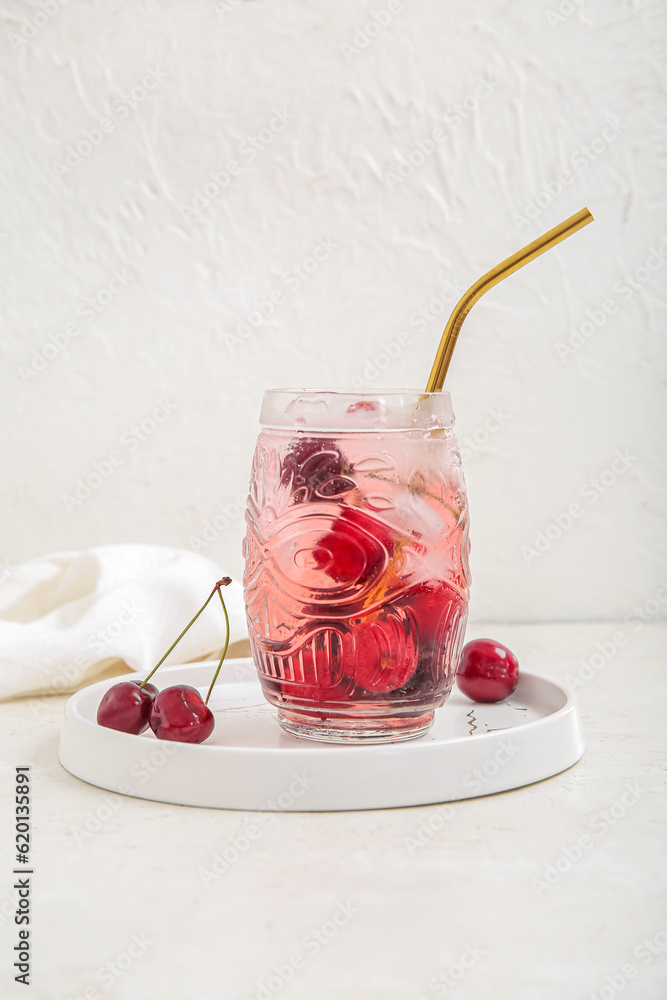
x,y
122,906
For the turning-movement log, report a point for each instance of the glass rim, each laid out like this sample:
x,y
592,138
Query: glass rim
x,y
421,393
334,410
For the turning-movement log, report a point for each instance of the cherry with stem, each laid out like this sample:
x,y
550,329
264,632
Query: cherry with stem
x,y
225,647
177,712
226,580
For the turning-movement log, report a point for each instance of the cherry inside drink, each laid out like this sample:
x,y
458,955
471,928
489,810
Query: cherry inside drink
x,y
356,577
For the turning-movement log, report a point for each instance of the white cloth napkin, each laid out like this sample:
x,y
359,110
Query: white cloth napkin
x,y
71,618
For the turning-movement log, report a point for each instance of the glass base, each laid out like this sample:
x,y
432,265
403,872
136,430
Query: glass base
x,y
338,730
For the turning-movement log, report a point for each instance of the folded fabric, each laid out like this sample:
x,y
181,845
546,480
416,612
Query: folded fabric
x,y
71,618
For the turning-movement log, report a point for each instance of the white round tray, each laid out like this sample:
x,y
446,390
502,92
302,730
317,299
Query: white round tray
x,y
250,763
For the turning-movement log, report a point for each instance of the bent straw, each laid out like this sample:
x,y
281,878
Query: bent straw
x,y
455,322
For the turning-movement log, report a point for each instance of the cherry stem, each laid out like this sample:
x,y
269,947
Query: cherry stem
x,y
226,580
224,651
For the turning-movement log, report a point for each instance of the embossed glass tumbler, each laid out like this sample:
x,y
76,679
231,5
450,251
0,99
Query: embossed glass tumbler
x,y
356,561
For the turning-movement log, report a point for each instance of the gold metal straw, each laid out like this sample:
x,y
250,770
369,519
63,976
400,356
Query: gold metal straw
x,y
455,322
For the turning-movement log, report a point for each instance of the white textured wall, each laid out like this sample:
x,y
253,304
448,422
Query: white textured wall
x,y
570,110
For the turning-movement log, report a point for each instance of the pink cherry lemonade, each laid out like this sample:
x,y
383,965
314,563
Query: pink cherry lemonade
x,y
356,579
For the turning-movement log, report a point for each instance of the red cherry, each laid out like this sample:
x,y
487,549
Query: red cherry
x,y
378,654
412,627
355,547
428,603
408,641
488,671
126,707
179,713
314,468
385,651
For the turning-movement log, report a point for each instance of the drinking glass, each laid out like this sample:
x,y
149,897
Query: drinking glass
x,y
356,561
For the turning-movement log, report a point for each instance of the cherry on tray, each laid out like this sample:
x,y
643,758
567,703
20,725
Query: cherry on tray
x,y
126,707
488,671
